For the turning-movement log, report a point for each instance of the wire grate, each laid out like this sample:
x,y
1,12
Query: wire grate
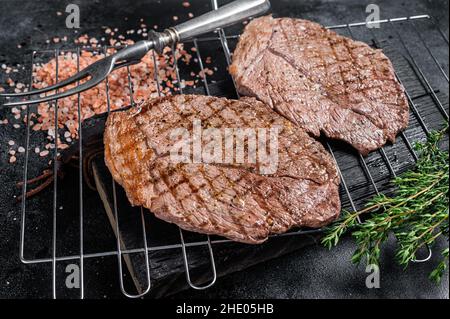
x,y
348,189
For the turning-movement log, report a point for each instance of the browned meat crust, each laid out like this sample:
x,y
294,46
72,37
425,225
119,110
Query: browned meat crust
x,y
321,81
232,200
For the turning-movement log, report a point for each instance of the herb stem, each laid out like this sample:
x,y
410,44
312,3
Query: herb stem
x,y
416,214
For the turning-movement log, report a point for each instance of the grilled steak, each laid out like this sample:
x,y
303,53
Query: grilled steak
x,y
230,199
321,81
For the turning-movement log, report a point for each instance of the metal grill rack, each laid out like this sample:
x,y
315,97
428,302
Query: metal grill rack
x,y
220,37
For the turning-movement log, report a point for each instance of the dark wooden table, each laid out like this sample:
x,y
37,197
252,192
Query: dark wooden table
x,y
311,272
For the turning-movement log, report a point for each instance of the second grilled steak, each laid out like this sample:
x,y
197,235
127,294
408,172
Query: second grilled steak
x,y
230,199
321,81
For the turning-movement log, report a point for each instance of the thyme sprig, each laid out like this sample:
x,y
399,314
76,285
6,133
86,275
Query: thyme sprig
x,y
416,214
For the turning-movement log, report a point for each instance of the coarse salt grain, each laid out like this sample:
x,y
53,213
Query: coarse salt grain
x,y
11,143
51,132
44,153
94,100
21,149
12,159
37,150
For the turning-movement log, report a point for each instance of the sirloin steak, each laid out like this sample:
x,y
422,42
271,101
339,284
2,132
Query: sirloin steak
x,y
232,200
321,81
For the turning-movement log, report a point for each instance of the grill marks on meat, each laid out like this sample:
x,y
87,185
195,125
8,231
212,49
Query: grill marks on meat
x,y
231,200
321,81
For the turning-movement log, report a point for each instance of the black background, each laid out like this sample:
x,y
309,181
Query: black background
x,y
310,273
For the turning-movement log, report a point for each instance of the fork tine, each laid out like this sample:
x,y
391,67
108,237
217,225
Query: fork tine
x,y
79,76
98,71
78,89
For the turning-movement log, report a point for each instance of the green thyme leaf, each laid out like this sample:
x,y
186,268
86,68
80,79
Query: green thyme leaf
x,y
416,214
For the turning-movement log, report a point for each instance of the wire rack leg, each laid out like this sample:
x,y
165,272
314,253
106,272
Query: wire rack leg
x,y
183,245
55,181
25,172
116,215
186,264
80,183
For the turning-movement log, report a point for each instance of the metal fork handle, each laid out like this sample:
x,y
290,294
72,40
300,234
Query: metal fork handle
x,y
227,15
